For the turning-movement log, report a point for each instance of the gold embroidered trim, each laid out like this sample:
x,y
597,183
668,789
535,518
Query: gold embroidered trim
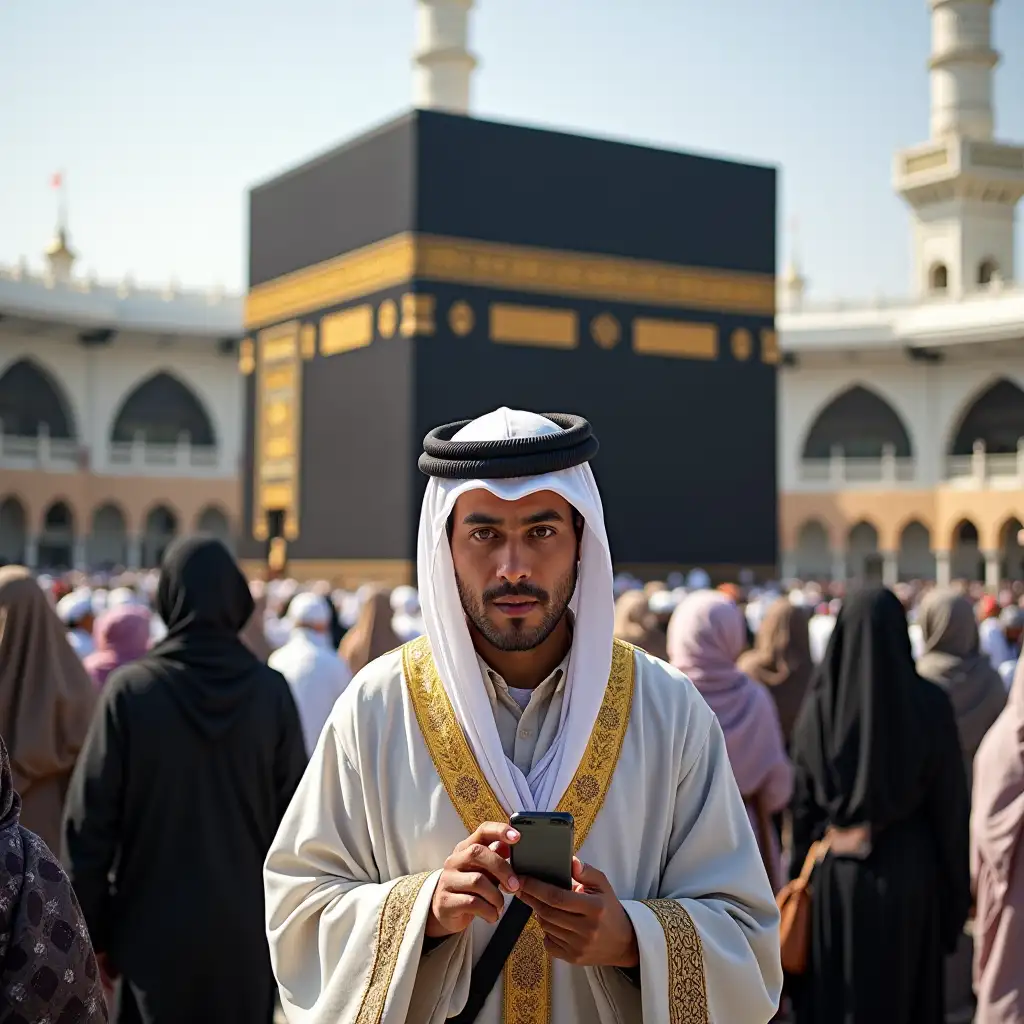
x,y
687,993
528,972
468,789
394,918
585,795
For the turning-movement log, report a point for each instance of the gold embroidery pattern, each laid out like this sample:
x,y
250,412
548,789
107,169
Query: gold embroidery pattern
x,y
687,994
586,792
527,989
468,789
528,970
394,918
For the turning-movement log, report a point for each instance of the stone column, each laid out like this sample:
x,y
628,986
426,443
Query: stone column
x,y
79,556
993,569
134,551
31,551
787,569
838,566
890,568
943,570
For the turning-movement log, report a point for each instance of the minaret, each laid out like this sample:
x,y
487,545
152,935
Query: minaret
x,y
443,64
962,186
792,285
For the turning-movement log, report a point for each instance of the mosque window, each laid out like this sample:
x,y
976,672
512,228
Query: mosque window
x,y
160,410
859,422
995,417
29,399
938,277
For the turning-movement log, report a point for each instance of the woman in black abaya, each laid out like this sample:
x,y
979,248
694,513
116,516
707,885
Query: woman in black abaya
x,y
192,758
878,767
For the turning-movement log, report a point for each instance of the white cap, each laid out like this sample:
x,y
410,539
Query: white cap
x,y
74,606
310,610
405,600
121,596
664,602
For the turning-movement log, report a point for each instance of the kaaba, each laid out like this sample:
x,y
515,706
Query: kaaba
x,y
442,266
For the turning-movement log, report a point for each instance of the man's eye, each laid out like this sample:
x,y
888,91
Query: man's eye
x,y
543,532
484,533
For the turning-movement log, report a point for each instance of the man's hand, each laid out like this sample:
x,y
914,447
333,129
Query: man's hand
x,y
472,881
587,926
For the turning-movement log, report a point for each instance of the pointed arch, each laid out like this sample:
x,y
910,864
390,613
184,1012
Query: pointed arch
x,y
215,522
1011,550
859,421
966,561
57,537
915,557
108,540
994,416
812,558
13,530
161,409
31,397
161,527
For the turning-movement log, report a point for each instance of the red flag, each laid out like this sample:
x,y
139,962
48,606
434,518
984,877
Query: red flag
x,y
57,180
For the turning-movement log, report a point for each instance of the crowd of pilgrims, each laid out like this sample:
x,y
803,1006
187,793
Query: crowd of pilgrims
x,y
158,723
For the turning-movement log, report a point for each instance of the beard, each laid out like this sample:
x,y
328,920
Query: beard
x,y
515,635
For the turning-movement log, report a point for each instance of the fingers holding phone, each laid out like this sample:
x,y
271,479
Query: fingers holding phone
x,y
473,882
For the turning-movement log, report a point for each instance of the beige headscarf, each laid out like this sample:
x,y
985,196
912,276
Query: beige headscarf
x,y
997,828
372,634
781,659
46,701
952,659
637,625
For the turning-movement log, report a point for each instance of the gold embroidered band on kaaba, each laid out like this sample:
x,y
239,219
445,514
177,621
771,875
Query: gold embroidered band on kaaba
x,y
528,972
403,258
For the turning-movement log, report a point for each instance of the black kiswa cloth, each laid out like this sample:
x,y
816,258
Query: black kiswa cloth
x,y
536,455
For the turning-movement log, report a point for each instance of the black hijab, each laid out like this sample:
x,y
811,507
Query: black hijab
x,y
47,966
204,601
860,731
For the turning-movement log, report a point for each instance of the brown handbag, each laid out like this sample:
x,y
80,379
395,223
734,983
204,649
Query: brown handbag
x,y
794,901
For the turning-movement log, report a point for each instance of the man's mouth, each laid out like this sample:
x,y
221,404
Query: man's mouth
x,y
515,607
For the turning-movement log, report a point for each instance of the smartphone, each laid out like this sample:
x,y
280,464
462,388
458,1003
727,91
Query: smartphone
x,y
545,847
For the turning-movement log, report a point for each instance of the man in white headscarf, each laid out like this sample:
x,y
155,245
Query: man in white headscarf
x,y
308,661
75,610
390,870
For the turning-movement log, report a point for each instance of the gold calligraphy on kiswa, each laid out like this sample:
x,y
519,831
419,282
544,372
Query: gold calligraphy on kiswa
x,y
278,404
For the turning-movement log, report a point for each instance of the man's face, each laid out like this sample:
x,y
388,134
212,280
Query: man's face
x,y
515,565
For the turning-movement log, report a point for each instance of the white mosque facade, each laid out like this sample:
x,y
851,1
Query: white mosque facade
x,y
901,424
901,427
120,416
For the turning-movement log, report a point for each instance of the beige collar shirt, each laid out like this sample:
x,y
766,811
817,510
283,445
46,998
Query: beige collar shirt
x,y
526,733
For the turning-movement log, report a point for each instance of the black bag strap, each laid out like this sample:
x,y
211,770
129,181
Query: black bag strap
x,y
492,961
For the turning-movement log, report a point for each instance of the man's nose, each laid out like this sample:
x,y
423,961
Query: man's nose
x,y
512,565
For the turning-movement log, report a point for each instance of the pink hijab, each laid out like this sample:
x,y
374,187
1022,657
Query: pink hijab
x,y
122,635
706,635
997,864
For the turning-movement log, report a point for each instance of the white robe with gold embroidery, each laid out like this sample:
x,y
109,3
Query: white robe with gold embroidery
x,y
350,876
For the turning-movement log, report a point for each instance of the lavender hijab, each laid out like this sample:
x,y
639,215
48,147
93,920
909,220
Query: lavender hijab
x,y
706,635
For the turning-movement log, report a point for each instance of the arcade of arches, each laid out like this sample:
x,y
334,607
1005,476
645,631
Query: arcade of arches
x,y
891,534
879,537
59,532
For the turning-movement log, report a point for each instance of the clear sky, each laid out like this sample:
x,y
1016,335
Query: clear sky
x,y
162,114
